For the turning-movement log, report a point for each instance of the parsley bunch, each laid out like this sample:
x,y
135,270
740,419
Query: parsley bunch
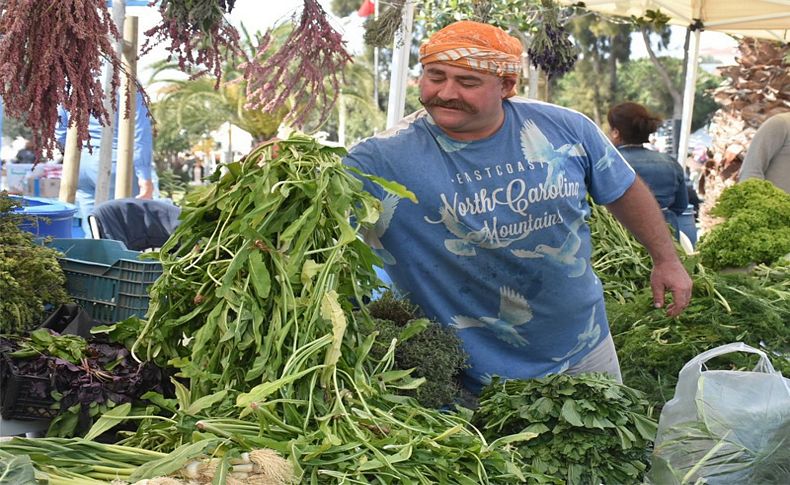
x,y
756,228
588,428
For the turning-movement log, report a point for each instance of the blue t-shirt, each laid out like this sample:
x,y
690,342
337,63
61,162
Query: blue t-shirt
x,y
498,245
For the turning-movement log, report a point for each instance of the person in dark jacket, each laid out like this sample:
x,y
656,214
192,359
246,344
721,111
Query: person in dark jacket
x,y
631,124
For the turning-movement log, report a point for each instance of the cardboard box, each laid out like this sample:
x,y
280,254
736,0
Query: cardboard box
x,y
47,188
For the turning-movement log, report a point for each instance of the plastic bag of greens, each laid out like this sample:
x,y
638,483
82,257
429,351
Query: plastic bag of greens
x,y
724,426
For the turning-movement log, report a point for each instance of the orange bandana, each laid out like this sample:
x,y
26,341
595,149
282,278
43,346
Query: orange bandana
x,y
476,46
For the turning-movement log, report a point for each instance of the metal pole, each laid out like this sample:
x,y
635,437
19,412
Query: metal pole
x,y
107,132
688,97
400,67
376,62
125,169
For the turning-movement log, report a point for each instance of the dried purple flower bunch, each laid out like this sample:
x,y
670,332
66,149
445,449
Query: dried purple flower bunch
x,y
551,48
198,34
51,55
313,52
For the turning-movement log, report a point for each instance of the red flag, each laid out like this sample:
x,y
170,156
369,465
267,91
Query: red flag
x,y
367,8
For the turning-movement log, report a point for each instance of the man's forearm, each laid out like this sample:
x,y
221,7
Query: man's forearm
x,y
639,212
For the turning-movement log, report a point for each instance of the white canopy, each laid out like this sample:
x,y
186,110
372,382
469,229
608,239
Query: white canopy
x,y
768,19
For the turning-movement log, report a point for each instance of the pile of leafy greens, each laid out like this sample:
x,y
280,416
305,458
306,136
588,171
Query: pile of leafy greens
x,y
756,227
434,352
751,308
30,276
588,429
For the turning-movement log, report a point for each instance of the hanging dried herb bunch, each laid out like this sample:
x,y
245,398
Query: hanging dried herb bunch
x,y
198,34
51,54
380,32
551,48
313,52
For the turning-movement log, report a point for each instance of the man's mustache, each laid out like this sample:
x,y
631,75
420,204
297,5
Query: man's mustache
x,y
450,104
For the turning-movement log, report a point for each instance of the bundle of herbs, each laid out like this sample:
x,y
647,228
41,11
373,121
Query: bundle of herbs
x,y
254,308
751,308
85,379
30,277
756,227
433,351
587,429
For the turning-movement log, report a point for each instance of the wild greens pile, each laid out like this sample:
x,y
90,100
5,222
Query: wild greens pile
x,y
434,352
585,429
750,307
756,227
30,276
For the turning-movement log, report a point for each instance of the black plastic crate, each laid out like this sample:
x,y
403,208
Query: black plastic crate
x,y
24,397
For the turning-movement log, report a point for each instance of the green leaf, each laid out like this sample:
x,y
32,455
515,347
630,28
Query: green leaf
x,y
260,392
109,420
413,328
222,471
182,394
206,402
332,311
570,413
388,185
17,469
259,275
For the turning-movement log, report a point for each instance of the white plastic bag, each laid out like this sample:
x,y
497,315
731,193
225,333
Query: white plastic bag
x,y
725,427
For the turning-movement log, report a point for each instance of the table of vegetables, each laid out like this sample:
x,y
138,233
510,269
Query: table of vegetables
x,y
263,359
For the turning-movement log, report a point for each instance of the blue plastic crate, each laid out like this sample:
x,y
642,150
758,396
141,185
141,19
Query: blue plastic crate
x,y
105,278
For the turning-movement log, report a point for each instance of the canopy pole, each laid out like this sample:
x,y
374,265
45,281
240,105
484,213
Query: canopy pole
x,y
71,166
400,67
107,132
688,94
125,169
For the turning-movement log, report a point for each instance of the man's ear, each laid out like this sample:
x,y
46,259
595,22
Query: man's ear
x,y
508,83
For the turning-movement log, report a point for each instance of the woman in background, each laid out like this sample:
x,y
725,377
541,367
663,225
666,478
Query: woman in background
x,y
630,127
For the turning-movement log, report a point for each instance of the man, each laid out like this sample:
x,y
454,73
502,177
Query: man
x,y
498,246
768,156
144,184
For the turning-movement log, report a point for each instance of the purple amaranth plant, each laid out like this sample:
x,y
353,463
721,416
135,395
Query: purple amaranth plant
x,y
198,34
51,55
313,52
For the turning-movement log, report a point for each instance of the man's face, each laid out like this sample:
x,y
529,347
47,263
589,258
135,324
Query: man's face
x,y
466,104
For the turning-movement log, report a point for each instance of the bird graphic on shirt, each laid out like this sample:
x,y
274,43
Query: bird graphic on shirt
x,y
588,338
537,148
373,237
468,239
564,255
607,160
514,311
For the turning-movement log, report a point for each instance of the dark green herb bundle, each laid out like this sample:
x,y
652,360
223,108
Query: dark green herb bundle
x,y
551,48
756,228
750,308
30,276
588,428
434,352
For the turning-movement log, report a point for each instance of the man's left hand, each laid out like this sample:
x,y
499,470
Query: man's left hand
x,y
671,276
146,189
